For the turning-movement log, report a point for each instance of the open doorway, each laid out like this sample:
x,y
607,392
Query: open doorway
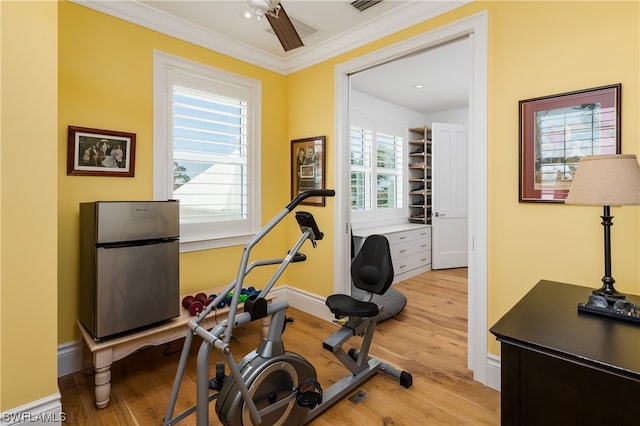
x,y
393,101
475,28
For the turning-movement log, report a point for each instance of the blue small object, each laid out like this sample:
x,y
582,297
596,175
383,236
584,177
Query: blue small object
x,y
251,291
222,303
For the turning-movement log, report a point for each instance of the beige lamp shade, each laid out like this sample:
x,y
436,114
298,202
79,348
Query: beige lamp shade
x,y
606,180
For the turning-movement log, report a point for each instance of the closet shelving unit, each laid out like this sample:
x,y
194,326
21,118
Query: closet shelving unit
x,y
420,175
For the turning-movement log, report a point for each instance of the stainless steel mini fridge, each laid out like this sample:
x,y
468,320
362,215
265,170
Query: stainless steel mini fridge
x,y
129,267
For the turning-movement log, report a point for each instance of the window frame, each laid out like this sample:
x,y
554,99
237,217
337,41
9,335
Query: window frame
x,y
378,126
211,234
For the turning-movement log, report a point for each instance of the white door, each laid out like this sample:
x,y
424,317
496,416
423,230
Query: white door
x,y
449,196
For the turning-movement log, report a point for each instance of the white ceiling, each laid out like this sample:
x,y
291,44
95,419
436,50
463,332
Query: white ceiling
x,y
219,25
443,72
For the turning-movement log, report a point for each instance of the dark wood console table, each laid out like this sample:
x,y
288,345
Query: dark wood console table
x,y
564,367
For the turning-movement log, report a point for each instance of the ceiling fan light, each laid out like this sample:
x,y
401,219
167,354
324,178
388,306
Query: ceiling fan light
x,y
259,7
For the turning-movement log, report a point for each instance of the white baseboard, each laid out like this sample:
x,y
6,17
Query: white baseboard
x,y
45,411
308,302
493,371
69,358
70,354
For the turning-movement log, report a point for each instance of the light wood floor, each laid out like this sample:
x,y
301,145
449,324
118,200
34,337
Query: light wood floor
x,y
428,339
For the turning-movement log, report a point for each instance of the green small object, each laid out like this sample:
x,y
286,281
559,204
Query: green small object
x,y
242,298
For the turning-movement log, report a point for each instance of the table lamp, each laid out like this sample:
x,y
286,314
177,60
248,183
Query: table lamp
x,y
606,180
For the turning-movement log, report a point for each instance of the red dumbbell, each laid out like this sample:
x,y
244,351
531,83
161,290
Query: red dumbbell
x,y
202,297
196,304
193,305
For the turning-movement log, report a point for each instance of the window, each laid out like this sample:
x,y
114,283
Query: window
x,y
361,168
207,151
376,169
564,135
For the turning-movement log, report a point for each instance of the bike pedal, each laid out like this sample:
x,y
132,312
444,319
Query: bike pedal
x,y
215,384
309,393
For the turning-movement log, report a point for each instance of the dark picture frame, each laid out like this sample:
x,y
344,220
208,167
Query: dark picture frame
x,y
96,152
556,131
308,167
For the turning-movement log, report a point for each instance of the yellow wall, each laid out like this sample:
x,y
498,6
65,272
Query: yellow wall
x,y
527,242
28,205
105,68
311,114
534,49
582,45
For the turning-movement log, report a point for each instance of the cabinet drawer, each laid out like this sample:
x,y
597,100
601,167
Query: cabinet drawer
x,y
408,263
421,259
403,264
422,233
399,237
401,249
421,245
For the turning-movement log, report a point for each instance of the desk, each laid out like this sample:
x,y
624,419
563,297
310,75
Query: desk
x,y
99,355
564,367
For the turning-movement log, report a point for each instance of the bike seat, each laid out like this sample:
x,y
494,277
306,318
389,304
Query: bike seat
x,y
342,305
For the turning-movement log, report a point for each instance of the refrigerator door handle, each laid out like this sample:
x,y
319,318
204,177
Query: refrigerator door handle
x,y
135,243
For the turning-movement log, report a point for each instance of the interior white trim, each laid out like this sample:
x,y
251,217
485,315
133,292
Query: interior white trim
x,y
69,358
412,14
141,14
494,366
474,27
47,410
303,300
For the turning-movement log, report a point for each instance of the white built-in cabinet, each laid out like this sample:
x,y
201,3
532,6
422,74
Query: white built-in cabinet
x,y
410,246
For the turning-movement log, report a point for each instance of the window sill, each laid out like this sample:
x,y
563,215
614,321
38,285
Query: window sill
x,y
213,243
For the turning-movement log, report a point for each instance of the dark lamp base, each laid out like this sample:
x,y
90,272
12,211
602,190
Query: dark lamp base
x,y
609,294
608,291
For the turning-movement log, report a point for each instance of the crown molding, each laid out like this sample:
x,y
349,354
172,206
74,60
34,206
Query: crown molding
x,y
413,13
140,14
148,17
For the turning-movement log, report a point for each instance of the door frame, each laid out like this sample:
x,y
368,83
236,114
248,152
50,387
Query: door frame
x,y
475,27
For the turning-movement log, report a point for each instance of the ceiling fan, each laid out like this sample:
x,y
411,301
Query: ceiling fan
x,y
279,21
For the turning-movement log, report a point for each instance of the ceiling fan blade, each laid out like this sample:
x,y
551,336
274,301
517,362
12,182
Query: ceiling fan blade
x,y
284,30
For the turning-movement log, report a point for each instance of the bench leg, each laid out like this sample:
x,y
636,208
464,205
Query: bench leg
x,y
102,360
87,360
266,322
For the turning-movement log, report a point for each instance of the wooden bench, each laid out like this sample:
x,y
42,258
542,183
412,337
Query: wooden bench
x,y
99,355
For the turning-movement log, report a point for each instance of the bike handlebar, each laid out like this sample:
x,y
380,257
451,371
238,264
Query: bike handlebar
x,y
310,193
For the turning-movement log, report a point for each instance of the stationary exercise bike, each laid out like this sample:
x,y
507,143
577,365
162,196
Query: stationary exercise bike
x,y
271,385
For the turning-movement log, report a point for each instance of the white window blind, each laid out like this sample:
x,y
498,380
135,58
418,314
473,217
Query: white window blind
x,y
361,168
209,156
207,151
377,165
389,170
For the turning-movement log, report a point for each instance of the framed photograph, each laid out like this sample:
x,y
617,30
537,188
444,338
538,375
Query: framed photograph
x,y
95,152
307,168
556,131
